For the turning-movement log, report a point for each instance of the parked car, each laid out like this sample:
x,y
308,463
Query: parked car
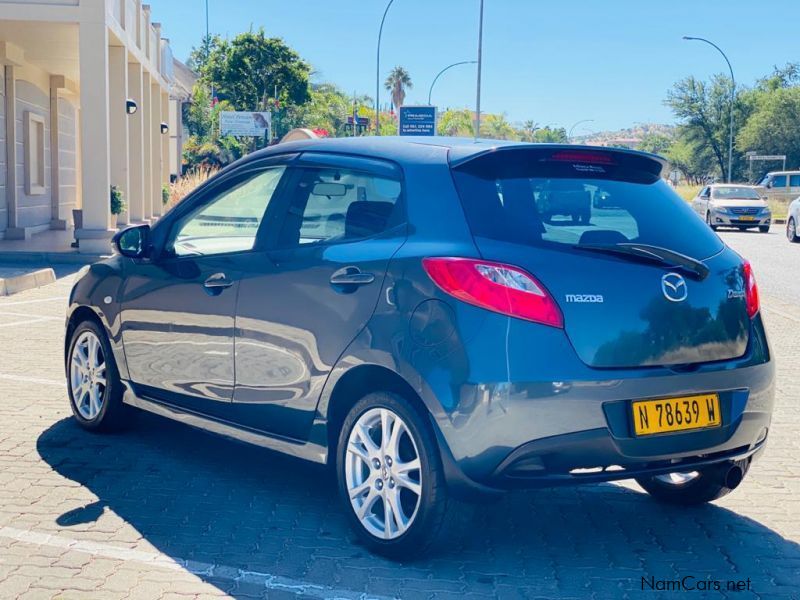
x,y
726,205
442,341
793,221
781,186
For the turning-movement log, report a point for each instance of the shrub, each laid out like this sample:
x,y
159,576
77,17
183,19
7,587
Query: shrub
x,y
188,182
117,201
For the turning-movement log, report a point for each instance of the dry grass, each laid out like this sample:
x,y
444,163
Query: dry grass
x,y
686,191
181,188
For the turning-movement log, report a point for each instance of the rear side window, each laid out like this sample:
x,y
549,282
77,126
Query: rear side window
x,y
529,197
330,205
794,181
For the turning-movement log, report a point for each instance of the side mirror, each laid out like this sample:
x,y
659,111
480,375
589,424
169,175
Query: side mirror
x,y
133,242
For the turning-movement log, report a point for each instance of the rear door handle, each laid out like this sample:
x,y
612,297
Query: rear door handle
x,y
217,281
351,276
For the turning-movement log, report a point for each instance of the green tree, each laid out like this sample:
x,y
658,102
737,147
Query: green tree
x,y
397,83
550,135
256,72
528,130
703,110
774,126
657,143
456,123
694,160
497,127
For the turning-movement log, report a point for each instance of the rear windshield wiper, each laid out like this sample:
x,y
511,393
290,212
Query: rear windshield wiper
x,y
652,254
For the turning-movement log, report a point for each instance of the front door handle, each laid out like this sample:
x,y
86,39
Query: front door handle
x,y
351,276
217,282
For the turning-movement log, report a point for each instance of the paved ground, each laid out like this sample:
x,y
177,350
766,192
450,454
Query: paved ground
x,y
164,511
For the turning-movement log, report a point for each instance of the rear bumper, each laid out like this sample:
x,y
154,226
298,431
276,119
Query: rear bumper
x,y
541,432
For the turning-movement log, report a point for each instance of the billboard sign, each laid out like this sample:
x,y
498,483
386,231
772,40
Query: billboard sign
x,y
245,124
417,120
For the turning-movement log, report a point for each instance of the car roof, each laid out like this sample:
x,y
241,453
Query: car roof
x,y
734,185
783,173
416,149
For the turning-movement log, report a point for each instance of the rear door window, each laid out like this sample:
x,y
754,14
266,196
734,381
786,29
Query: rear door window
x,y
779,181
333,205
794,181
529,197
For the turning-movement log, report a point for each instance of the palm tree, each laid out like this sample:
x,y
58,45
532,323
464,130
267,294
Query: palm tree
x,y
496,127
397,82
529,129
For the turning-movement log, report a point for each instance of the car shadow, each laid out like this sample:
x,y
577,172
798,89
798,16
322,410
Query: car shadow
x,y
198,497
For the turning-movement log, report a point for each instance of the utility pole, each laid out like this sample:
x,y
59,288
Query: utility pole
x,y
480,64
378,74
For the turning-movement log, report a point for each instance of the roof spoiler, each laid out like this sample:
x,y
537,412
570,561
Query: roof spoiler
x,y
568,153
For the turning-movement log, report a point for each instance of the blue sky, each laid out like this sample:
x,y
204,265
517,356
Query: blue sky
x,y
554,62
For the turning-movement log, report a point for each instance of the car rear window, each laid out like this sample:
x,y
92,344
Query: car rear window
x,y
735,193
562,198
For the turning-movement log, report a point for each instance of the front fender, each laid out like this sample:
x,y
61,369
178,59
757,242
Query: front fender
x,y
98,290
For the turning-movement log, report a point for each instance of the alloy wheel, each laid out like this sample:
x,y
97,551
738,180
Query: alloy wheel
x,y
791,230
88,375
383,473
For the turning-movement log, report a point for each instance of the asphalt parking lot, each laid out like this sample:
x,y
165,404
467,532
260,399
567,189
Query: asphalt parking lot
x,y
165,511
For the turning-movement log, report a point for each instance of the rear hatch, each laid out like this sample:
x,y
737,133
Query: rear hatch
x,y
640,280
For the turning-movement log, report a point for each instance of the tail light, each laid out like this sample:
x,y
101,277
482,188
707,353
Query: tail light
x,y
750,290
495,286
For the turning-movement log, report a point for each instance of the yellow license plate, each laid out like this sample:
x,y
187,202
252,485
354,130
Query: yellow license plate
x,y
745,218
676,414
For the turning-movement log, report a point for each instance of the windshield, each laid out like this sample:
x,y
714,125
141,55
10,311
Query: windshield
x,y
528,202
735,193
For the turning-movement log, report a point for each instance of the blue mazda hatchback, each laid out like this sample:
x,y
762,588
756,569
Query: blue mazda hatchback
x,y
437,320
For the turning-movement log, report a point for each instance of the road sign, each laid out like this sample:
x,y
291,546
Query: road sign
x,y
245,124
417,120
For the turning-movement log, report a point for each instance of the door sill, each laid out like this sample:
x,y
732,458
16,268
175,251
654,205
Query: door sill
x,y
303,450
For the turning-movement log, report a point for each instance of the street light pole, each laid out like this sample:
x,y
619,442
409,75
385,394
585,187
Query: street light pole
x,y
480,64
435,79
378,74
733,99
574,125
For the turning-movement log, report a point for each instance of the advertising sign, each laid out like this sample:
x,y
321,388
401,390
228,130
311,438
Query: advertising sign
x,y
417,120
245,124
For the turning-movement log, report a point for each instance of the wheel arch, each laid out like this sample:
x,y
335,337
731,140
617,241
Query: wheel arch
x,y
353,385
78,316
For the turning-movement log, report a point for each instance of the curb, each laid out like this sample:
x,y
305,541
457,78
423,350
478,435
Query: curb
x,y
27,281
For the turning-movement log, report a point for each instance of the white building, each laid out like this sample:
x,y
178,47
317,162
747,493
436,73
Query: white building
x,y
70,69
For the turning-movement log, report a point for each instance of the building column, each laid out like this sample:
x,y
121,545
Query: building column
x,y
165,169
136,147
95,176
118,117
147,145
56,221
155,130
11,152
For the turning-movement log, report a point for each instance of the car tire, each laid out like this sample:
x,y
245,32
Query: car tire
x,y
708,222
791,230
705,486
374,477
763,228
93,384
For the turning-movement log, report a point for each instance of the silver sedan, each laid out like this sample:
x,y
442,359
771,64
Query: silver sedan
x,y
727,205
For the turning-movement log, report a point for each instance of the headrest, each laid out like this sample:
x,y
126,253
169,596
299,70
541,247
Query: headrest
x,y
365,218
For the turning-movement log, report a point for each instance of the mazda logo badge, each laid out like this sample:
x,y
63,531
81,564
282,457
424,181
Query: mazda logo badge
x,y
674,287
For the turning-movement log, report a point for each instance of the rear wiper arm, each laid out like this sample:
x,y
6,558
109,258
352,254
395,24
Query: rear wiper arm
x,y
651,253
